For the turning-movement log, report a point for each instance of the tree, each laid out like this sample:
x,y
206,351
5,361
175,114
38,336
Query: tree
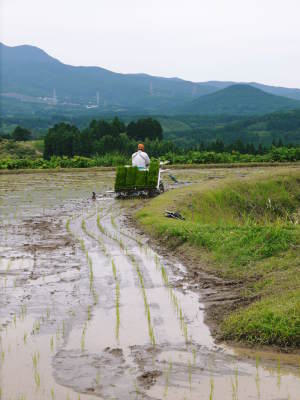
x,y
62,140
145,128
21,134
118,125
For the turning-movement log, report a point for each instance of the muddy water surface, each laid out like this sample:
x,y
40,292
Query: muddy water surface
x,y
89,310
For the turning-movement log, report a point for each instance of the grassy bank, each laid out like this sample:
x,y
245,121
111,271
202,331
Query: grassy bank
x,y
244,230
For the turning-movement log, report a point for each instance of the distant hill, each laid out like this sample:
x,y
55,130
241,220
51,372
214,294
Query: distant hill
x,y
281,125
277,90
28,73
239,99
34,84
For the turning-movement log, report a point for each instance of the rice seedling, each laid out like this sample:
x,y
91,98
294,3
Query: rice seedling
x,y
52,343
63,329
190,374
52,394
23,311
234,385
57,334
167,378
212,389
2,356
89,313
194,355
100,227
35,360
37,379
25,337
68,227
36,327
113,222
83,338
82,245
114,269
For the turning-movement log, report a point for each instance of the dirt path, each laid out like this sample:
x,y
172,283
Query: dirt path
x,y
89,309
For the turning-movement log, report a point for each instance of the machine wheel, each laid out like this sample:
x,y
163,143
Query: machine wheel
x,y
161,187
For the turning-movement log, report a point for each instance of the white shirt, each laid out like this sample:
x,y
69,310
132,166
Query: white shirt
x,y
140,159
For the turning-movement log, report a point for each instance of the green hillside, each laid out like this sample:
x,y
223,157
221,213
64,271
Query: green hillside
x,y
284,125
239,100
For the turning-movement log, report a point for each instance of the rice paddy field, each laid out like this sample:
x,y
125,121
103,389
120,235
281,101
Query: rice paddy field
x,y
89,309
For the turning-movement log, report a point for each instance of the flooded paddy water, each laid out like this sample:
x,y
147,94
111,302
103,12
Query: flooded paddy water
x,y
90,310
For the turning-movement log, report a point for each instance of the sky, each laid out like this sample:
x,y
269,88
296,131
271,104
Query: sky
x,y
197,40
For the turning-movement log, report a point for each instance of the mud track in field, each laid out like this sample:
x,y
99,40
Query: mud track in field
x,y
90,310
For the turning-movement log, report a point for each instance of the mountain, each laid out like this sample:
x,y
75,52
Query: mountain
x,y
34,83
291,93
239,99
28,73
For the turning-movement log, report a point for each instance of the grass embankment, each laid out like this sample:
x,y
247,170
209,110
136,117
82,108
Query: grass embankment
x,y
249,231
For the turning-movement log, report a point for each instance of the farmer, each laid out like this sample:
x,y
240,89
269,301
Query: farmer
x,y
140,159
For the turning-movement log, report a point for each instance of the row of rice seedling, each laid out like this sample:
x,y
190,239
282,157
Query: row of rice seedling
x,y
174,300
117,300
140,277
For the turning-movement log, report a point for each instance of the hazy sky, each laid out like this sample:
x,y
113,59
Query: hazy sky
x,y
198,40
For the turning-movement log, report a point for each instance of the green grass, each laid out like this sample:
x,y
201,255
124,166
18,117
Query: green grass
x,y
248,230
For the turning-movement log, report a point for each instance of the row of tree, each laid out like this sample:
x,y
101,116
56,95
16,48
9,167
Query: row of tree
x,y
218,146
103,137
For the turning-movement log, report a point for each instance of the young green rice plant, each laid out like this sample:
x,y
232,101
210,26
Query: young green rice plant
x,y
63,329
82,245
52,343
190,374
36,327
52,394
113,222
235,385
37,379
35,359
68,227
212,389
117,311
100,227
25,337
167,378
194,352
83,338
89,313
23,312
257,377
114,269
